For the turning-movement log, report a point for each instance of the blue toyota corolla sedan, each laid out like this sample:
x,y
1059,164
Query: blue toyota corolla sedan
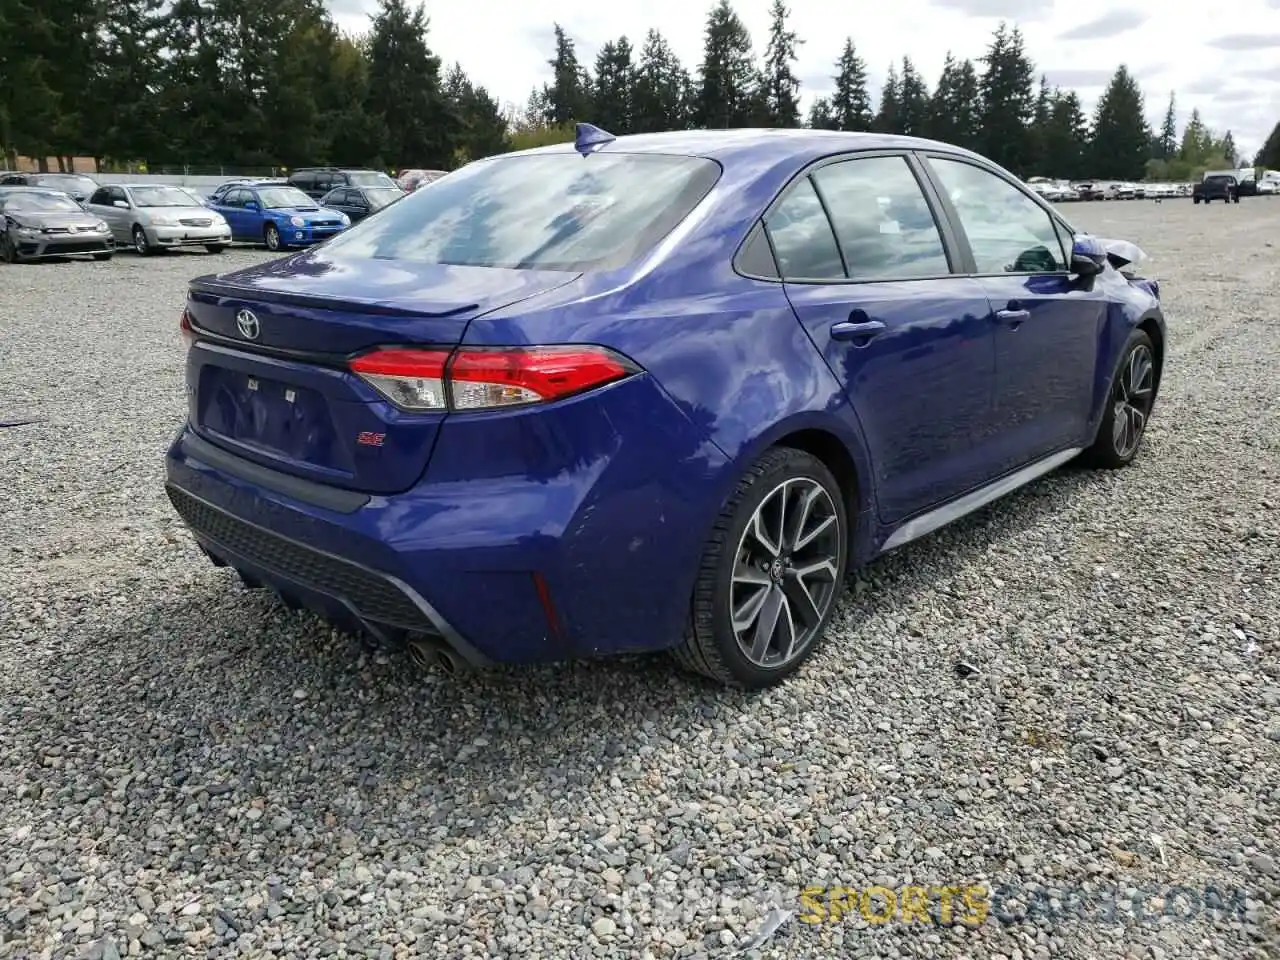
x,y
651,392
276,214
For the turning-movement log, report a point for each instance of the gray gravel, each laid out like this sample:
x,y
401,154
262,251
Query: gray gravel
x,y
186,768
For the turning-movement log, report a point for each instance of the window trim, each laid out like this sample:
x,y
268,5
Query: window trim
x,y
952,247
962,237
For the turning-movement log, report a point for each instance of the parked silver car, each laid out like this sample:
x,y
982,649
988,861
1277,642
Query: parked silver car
x,y
152,217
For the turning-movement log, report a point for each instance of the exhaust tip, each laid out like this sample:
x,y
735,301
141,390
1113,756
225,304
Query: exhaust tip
x,y
427,654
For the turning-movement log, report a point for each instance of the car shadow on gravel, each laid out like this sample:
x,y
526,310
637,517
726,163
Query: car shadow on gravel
x,y
224,691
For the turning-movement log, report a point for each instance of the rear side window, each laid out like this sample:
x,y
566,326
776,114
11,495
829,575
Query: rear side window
x,y
885,227
556,211
802,238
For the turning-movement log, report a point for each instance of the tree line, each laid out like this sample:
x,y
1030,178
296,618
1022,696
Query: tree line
x,y
253,83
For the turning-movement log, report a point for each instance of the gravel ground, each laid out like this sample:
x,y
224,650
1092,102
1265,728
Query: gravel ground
x,y
187,769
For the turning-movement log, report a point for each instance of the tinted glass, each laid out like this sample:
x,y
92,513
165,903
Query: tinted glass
x,y
1007,230
557,211
802,238
379,197
370,178
101,196
161,197
882,221
235,197
40,202
274,198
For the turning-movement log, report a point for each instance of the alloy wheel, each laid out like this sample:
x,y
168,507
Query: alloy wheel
x,y
273,237
785,572
140,241
1135,390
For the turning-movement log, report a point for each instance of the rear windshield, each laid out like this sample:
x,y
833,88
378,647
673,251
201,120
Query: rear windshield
x,y
369,178
557,211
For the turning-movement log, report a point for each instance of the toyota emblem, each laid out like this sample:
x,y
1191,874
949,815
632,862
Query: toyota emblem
x,y
248,324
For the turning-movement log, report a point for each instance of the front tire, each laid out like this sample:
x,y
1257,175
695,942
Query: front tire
x,y
1129,405
771,574
140,242
271,234
9,250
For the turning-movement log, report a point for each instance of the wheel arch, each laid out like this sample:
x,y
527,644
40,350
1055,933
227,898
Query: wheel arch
x,y
838,446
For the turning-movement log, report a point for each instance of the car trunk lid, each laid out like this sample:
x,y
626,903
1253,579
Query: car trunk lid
x,y
268,376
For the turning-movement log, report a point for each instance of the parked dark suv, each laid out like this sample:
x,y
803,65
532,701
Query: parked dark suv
x,y
315,182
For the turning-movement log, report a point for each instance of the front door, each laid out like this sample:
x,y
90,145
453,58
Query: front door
x,y
1048,325
867,273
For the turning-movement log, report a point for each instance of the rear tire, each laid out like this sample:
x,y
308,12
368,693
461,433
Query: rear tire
x,y
775,564
1129,406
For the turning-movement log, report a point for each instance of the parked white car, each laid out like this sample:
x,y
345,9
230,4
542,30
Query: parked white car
x,y
151,217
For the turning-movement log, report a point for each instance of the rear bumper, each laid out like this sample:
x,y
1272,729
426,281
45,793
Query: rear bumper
x,y
584,548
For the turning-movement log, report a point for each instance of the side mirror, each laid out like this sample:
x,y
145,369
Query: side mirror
x,y
1088,257
122,204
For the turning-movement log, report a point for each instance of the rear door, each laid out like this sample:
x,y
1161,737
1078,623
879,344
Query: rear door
x,y
866,265
1048,326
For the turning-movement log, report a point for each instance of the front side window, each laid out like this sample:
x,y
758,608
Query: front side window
x,y
553,211
882,220
1007,230
802,239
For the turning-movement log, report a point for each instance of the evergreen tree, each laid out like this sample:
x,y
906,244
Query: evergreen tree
x,y
851,104
888,119
199,113
1269,155
1064,138
29,96
1228,150
780,87
822,116
614,87
1121,139
405,92
482,127
1039,123
1008,101
913,101
955,112
1197,141
568,97
1166,145
728,82
661,99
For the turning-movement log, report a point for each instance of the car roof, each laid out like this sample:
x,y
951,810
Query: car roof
x,y
766,145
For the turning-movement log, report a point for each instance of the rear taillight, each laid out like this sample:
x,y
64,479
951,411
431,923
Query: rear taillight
x,y
184,328
482,379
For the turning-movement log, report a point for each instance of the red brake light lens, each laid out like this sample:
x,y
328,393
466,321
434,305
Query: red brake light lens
x,y
185,329
484,379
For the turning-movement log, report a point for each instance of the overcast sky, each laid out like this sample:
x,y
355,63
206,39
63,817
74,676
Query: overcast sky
x,y
1229,69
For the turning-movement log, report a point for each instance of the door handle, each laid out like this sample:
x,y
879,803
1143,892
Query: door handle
x,y
864,331
1013,317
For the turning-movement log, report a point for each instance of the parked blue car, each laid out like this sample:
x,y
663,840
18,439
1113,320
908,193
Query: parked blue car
x,y
276,214
651,392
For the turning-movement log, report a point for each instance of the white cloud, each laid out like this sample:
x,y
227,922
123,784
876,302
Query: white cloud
x,y
504,44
